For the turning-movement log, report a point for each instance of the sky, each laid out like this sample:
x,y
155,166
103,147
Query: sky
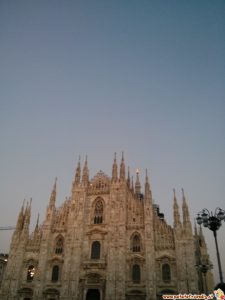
x,y
98,77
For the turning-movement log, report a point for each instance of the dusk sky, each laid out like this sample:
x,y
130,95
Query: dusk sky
x,y
98,77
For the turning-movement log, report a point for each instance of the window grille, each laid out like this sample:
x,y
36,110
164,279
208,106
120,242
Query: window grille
x,y
136,243
55,273
136,273
98,214
95,250
59,245
166,273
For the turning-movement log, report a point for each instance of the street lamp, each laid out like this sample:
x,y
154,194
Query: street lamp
x,y
213,222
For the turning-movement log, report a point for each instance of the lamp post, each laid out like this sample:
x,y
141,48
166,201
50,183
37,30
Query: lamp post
x,y
213,222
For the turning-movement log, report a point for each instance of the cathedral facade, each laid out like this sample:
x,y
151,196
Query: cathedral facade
x,y
108,241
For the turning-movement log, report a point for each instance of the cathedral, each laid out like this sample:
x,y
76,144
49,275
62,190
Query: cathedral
x,y
108,241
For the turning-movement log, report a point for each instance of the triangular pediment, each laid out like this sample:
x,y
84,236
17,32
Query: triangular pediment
x,y
136,257
165,257
96,230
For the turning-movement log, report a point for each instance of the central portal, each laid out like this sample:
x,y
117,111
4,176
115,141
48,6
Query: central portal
x,y
93,294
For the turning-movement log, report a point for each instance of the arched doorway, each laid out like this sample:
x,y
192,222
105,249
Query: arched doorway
x,y
93,294
26,293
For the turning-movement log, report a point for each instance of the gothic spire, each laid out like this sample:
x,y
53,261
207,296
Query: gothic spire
x,y
27,216
37,224
201,236
122,169
137,183
148,194
77,175
186,217
20,219
114,169
85,176
53,195
147,185
176,214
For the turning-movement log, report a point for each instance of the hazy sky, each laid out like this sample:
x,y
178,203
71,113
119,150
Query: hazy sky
x,y
95,77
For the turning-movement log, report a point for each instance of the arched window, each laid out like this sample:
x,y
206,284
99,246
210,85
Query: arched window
x,y
95,250
136,273
30,273
136,243
59,245
98,213
166,274
55,273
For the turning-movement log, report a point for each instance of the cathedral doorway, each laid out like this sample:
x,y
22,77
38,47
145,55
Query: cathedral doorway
x,y
51,294
93,294
25,294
